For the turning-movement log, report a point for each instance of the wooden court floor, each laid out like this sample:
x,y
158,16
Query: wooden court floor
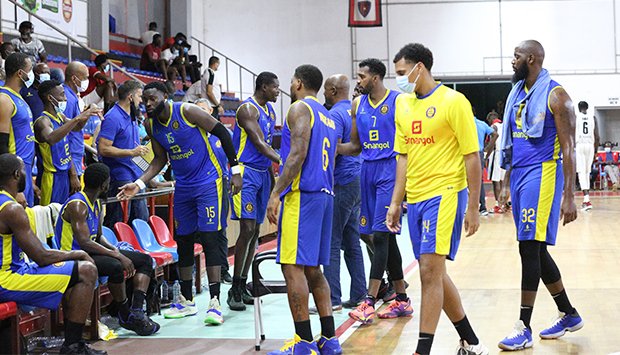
x,y
487,272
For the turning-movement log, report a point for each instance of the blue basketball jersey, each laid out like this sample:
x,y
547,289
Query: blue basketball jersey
x,y
21,134
247,153
63,231
529,151
317,171
56,157
376,126
13,258
192,159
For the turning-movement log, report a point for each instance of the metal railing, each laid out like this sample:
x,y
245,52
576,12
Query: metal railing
x,y
235,80
71,40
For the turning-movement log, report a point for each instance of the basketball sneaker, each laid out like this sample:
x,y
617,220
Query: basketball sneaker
x,y
396,309
235,299
586,206
520,338
329,346
297,346
562,324
246,296
182,309
498,210
465,349
364,313
386,291
214,313
138,322
484,212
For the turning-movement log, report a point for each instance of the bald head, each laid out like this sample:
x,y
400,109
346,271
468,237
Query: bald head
x,y
75,73
336,88
40,68
533,48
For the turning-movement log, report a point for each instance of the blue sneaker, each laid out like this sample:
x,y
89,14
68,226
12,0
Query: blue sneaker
x,y
563,323
297,346
329,346
520,338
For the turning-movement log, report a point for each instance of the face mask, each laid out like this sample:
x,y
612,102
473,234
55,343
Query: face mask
x,y
106,68
60,106
30,80
607,149
185,50
83,85
44,77
402,81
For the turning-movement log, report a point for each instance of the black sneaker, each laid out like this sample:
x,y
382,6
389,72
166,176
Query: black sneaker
x,y
226,278
246,296
80,348
235,300
139,323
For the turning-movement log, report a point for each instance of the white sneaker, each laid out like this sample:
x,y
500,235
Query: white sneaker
x,y
214,314
182,309
466,349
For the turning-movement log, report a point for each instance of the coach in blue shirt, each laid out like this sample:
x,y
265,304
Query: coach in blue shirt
x,y
76,81
118,142
31,94
345,225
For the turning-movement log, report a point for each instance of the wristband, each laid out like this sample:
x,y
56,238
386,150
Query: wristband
x,y
235,169
140,184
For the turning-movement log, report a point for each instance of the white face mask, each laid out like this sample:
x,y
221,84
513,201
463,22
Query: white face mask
x,y
106,68
83,85
607,149
30,80
402,81
44,77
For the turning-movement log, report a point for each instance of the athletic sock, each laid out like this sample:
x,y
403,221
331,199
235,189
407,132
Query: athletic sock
x,y
303,330
402,297
561,300
525,315
586,198
73,332
465,331
425,342
236,281
244,282
327,327
123,309
214,289
138,299
186,289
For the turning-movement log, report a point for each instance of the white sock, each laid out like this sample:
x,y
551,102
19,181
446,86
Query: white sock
x,y
586,198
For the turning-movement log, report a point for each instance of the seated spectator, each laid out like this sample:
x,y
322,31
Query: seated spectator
x,y
176,63
101,89
610,166
72,274
26,44
151,57
57,74
31,94
6,49
147,36
77,228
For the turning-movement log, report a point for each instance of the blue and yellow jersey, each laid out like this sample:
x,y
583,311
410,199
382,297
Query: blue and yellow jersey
x,y
376,127
435,131
13,258
21,133
56,157
64,232
247,153
192,158
529,151
317,171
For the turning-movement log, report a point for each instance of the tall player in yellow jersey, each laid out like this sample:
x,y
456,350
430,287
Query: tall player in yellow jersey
x,y
435,122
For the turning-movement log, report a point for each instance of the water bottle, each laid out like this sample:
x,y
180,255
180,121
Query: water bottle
x,y
52,342
176,292
164,291
204,282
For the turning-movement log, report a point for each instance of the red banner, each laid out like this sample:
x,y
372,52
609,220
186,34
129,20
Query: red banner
x,y
365,13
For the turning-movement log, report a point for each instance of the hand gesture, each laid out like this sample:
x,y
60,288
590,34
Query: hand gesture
x,y
128,266
127,191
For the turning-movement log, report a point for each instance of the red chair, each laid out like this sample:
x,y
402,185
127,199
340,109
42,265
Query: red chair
x,y
8,310
162,234
126,234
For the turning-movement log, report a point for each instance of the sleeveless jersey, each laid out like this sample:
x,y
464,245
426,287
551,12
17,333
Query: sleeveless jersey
x,y
21,134
529,151
192,159
376,127
56,157
13,258
317,170
247,153
584,129
63,231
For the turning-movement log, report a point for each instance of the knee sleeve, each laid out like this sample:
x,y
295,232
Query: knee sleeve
x,y
214,247
143,263
185,248
530,264
549,271
395,261
380,257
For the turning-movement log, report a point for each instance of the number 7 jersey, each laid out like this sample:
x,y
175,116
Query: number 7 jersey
x,y
376,126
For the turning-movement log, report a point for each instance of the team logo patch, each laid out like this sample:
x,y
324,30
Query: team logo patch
x,y
218,144
385,109
272,115
59,264
175,125
431,111
363,221
416,127
249,207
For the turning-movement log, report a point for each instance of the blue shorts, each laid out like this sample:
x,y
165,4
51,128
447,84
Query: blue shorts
x,y
536,193
199,208
377,184
29,191
36,286
251,202
435,224
305,228
55,187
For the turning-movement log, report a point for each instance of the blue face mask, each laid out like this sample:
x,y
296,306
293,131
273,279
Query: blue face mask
x,y
402,81
185,50
61,106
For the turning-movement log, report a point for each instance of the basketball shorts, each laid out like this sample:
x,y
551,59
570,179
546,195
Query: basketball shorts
x,y
496,173
435,225
536,193
55,187
36,286
199,208
305,228
251,202
377,184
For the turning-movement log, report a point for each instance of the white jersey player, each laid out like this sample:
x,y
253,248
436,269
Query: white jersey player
x,y
586,143
496,173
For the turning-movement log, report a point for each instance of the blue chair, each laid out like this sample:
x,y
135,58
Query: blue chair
x,y
147,240
109,235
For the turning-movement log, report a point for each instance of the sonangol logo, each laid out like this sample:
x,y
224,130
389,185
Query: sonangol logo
x,y
416,127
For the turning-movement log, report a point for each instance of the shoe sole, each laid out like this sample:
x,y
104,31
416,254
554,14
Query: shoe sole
x,y
180,316
392,316
560,334
361,320
240,309
528,344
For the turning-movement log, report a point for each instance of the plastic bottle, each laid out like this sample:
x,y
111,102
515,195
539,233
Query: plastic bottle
x,y
164,291
176,292
204,282
52,342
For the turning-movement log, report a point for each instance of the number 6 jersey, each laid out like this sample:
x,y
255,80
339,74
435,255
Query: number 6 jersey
x,y
584,129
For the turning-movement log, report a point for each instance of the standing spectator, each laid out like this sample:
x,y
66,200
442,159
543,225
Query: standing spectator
x,y
118,142
101,87
147,36
484,130
151,57
31,46
211,88
6,49
31,94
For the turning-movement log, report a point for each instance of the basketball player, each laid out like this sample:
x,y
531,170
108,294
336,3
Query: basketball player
x,y
252,139
178,132
372,134
496,173
435,121
305,188
586,145
532,151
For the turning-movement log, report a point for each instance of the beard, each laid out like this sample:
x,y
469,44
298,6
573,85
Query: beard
x,y
521,73
365,90
157,110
